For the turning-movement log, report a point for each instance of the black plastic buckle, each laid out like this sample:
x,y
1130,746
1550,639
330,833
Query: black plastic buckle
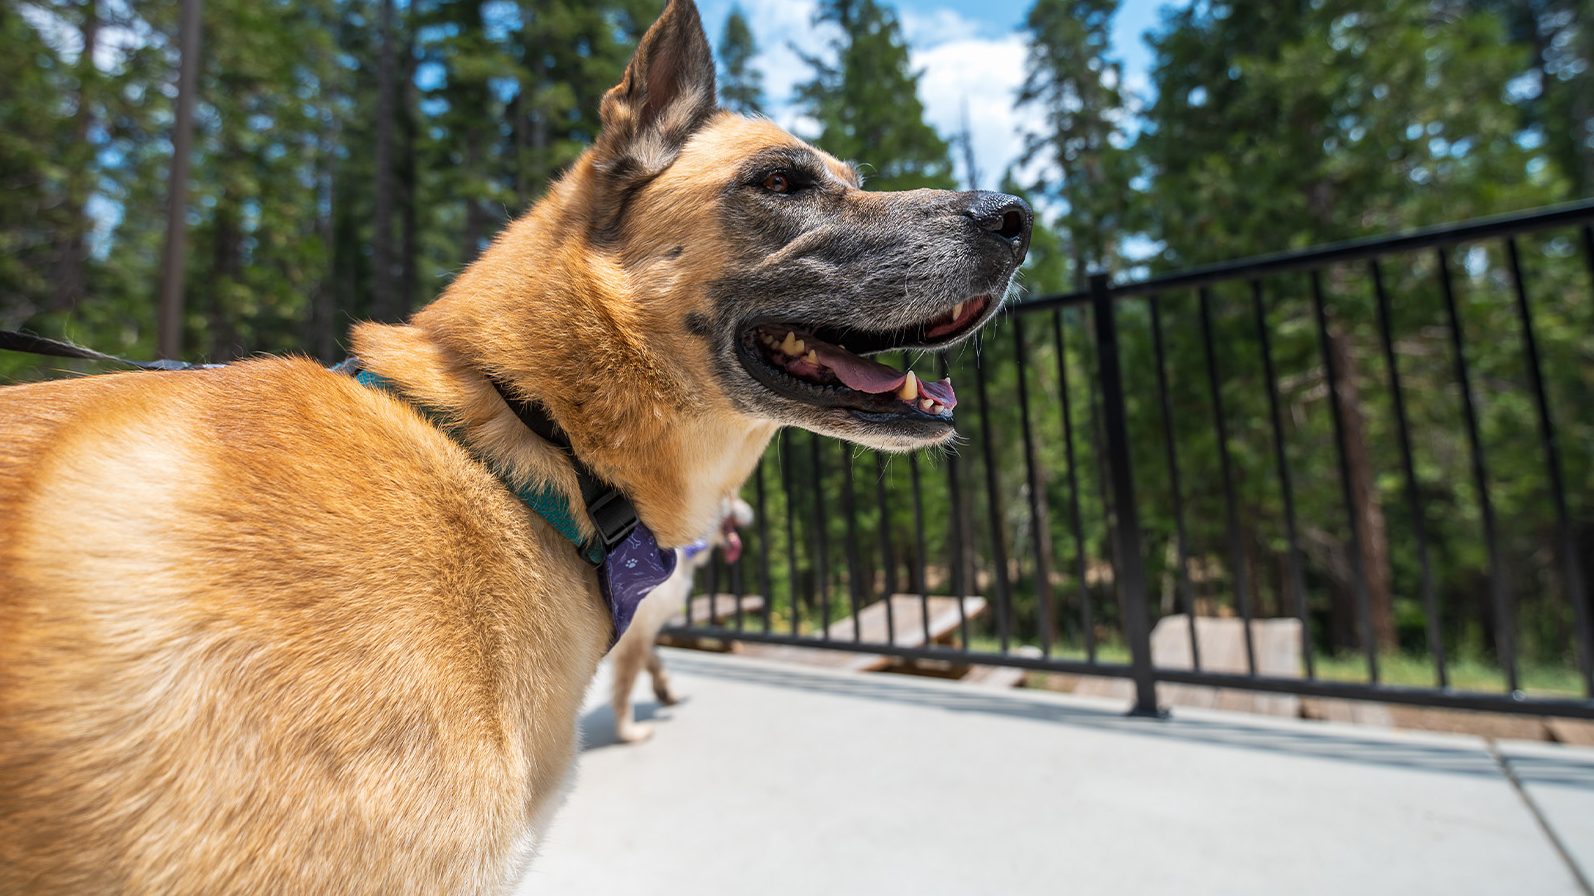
x,y
614,516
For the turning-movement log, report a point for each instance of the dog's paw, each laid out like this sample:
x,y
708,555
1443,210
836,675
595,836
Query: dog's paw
x,y
665,696
634,733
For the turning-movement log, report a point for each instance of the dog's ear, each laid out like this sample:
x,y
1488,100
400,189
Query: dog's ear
x,y
667,93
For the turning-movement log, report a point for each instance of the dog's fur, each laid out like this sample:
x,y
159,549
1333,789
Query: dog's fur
x,y
638,649
265,630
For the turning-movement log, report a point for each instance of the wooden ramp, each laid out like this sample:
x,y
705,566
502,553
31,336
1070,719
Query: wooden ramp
x,y
1277,643
1578,732
1356,712
907,617
1001,676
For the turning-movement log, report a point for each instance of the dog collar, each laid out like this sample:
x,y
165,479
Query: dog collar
x,y
625,553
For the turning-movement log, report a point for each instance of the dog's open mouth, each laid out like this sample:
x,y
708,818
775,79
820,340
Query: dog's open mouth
x,y
829,367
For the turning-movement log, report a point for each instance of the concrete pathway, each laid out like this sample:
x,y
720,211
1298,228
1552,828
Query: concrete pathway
x,y
775,780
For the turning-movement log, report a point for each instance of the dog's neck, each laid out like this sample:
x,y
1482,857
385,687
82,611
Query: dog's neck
x,y
556,324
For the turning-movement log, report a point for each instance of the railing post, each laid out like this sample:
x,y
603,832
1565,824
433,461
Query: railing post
x,y
1126,526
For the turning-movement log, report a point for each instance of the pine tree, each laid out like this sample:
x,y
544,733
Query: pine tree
x,y
741,85
1278,125
176,258
568,52
866,100
1071,80
1284,125
71,269
384,297
33,136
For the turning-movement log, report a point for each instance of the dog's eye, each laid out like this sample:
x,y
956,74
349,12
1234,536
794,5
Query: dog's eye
x,y
779,182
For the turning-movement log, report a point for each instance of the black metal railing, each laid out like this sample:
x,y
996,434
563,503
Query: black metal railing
x,y
1388,441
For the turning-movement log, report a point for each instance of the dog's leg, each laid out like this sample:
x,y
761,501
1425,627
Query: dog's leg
x,y
661,681
628,661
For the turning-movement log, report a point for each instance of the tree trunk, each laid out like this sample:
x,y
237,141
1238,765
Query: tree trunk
x,y
384,298
410,173
516,110
225,273
1583,112
71,273
1365,503
476,220
542,171
321,326
971,171
175,258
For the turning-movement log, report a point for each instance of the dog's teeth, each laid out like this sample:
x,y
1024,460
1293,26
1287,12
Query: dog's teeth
x,y
957,310
927,404
790,344
909,390
812,357
800,348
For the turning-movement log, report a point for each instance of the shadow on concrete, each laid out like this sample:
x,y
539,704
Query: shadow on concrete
x,y
1303,738
1561,771
597,724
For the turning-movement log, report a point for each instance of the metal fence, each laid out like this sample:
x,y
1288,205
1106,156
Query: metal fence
x,y
1389,441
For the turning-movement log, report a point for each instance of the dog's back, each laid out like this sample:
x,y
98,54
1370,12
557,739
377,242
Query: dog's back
x,y
270,656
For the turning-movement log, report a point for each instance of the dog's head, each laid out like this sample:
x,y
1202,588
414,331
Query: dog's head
x,y
761,266
734,514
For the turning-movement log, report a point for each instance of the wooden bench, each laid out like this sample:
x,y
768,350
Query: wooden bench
x,y
1277,644
907,618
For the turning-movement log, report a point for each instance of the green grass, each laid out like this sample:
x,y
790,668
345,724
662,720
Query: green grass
x,y
1466,672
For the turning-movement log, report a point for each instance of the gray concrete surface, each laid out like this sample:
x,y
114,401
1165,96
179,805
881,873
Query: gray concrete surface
x,y
776,780
1559,783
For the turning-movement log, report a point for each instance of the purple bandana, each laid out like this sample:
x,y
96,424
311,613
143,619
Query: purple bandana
x,y
633,569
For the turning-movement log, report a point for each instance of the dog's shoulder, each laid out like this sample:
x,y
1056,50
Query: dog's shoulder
x,y
280,446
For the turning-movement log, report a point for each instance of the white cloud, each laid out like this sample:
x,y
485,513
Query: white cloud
x,y
982,75
936,26
783,29
963,64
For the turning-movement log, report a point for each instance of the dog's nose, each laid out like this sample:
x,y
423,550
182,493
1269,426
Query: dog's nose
x,y
1006,217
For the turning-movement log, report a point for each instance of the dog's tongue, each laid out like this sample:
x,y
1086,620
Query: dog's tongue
x,y
858,373
864,375
941,391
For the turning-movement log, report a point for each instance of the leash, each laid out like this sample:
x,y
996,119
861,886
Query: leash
x,y
30,344
612,513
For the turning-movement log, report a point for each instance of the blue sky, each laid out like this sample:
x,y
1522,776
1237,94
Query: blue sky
x,y
970,50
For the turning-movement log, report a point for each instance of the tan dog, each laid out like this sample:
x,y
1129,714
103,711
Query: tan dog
x,y
266,630
638,649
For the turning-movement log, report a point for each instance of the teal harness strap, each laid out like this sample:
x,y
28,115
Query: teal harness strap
x,y
545,501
